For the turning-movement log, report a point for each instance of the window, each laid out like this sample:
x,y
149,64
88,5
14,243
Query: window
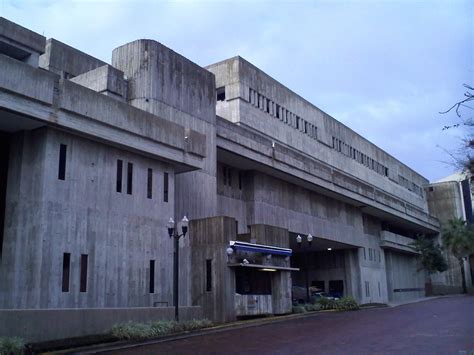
x,y
229,176
119,175
224,174
268,106
367,289
240,179
165,187
252,281
220,93
209,275
66,267
129,178
83,283
152,277
277,110
370,254
380,293
149,184
364,255
62,162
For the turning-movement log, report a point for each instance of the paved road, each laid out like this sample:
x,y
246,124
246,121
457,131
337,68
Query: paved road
x,y
438,326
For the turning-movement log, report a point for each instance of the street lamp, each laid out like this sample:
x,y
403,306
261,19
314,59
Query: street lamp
x,y
172,232
299,241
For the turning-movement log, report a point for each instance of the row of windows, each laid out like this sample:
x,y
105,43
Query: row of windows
x,y
67,272
119,175
362,158
281,113
149,187
410,185
227,177
374,255
358,156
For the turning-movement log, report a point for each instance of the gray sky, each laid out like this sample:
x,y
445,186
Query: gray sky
x,y
384,68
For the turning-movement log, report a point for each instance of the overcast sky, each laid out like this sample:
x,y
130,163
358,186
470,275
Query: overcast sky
x,y
383,68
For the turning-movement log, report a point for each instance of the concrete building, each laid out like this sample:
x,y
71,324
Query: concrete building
x,y
451,198
95,158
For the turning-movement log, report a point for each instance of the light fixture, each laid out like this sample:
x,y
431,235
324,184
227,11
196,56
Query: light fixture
x,y
265,269
329,248
229,251
299,239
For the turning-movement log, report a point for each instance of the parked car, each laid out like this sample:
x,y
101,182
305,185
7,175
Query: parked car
x,y
318,295
315,294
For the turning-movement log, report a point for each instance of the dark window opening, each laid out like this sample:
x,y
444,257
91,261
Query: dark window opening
x,y
220,93
209,275
119,175
277,110
431,188
364,255
268,105
129,178
224,173
240,179
152,276
229,176
249,281
4,158
165,187
149,184
66,268
83,284
62,162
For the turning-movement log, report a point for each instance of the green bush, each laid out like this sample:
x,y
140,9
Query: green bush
x,y
140,331
312,307
326,303
11,346
347,303
299,309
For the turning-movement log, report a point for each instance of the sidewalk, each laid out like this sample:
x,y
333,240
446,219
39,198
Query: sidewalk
x,y
401,303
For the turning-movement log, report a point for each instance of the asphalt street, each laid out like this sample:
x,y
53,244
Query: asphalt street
x,y
437,326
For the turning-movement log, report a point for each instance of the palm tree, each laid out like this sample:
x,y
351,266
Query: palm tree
x,y
458,237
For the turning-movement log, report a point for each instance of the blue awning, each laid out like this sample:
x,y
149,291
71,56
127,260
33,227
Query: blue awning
x,y
259,248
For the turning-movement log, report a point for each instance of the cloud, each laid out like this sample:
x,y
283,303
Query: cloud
x,y
383,68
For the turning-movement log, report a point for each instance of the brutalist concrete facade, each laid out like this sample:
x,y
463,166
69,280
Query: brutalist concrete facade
x,y
97,157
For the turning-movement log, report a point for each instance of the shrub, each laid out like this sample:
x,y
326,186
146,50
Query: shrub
x,y
11,346
299,309
312,307
140,331
326,303
347,303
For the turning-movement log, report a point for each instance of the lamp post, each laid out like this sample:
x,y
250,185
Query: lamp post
x,y
299,241
173,233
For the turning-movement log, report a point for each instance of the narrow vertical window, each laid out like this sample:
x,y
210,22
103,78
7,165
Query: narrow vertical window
x,y
165,187
209,275
129,178
66,267
364,255
62,162
380,293
240,180
224,173
83,284
152,276
149,184
119,175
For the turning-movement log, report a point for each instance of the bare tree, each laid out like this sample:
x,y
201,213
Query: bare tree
x,y
464,158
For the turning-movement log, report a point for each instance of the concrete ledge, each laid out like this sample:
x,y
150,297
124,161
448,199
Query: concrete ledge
x,y
34,325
